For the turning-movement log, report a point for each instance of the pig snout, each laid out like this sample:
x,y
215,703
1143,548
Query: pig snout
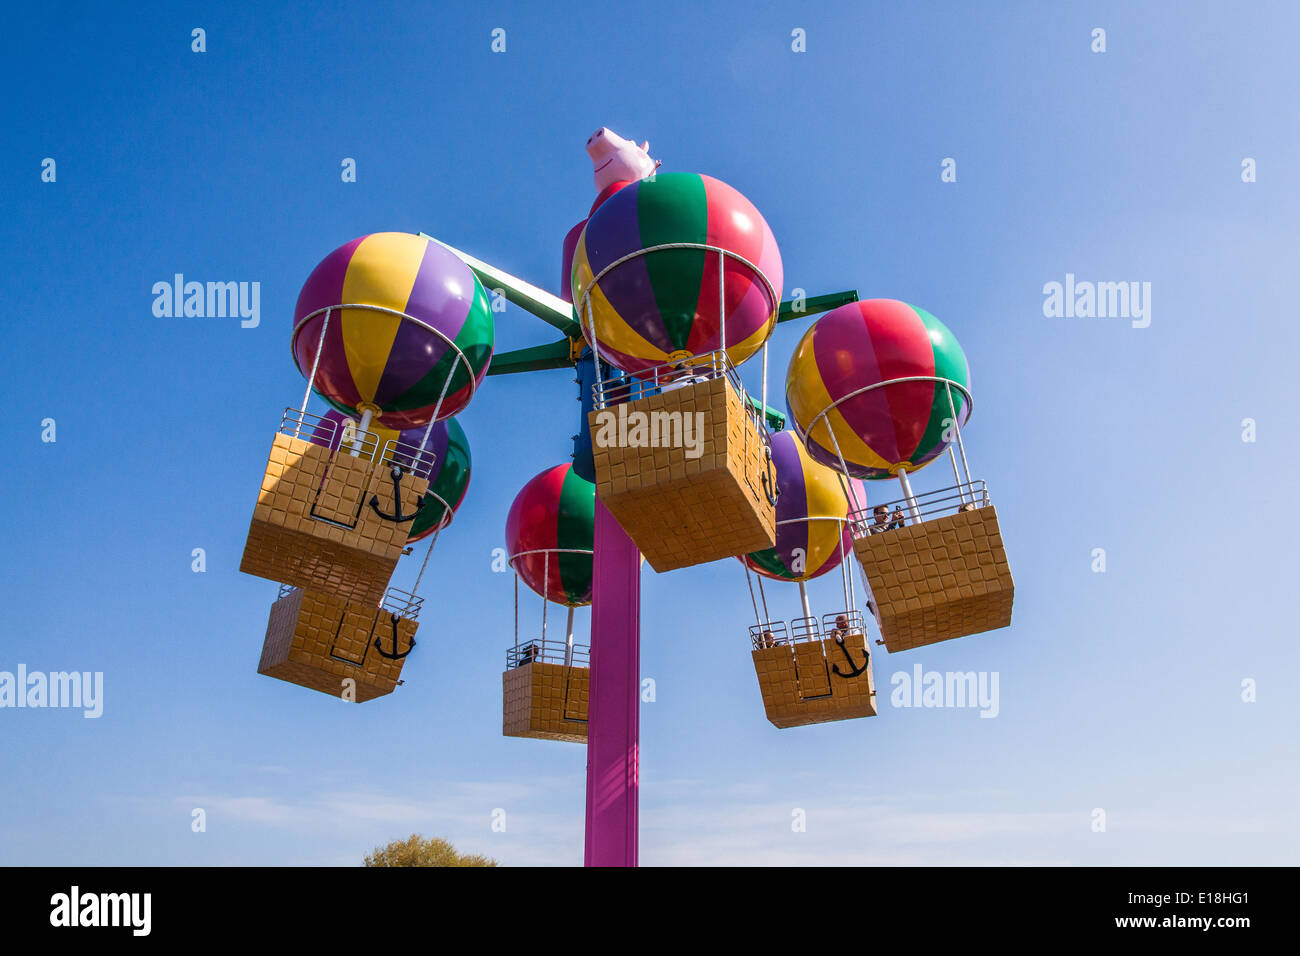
x,y
601,143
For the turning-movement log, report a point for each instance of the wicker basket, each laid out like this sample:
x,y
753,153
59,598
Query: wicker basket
x,y
546,701
313,526
800,686
321,641
683,511
945,577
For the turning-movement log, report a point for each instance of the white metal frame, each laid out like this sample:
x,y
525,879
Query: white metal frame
x,y
902,474
404,316
583,306
573,653
806,627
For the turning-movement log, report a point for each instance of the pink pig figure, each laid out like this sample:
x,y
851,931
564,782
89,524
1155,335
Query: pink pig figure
x,y
617,162
615,159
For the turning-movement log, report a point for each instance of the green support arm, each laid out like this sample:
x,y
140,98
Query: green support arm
x,y
814,305
550,308
775,419
532,359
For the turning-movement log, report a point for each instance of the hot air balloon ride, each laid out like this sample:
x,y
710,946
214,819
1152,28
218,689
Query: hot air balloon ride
x,y
879,389
676,281
673,281
810,670
394,333
550,534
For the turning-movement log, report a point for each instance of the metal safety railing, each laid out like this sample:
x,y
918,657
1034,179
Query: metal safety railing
x,y
669,376
411,458
396,601
805,630
543,651
892,515
298,423
402,603
349,439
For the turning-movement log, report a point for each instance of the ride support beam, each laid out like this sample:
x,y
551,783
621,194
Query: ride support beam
x,y
614,723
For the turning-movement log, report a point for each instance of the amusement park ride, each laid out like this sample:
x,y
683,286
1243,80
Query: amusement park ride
x,y
671,283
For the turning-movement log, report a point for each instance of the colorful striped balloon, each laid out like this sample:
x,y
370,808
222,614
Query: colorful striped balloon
x,y
378,361
447,452
806,547
555,510
663,306
901,425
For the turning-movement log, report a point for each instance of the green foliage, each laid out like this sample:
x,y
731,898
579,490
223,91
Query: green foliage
x,y
415,850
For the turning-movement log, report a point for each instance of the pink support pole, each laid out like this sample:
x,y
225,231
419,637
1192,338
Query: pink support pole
x,y
613,726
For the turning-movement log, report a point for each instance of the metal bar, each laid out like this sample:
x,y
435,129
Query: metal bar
x,y
814,305
893,381
432,541
363,427
535,358
405,317
907,493
752,600
595,354
446,384
957,425
311,379
722,301
568,642
803,599
846,578
952,457
547,306
767,284
844,468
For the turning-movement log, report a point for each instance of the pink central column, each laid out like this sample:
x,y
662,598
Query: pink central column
x,y
614,721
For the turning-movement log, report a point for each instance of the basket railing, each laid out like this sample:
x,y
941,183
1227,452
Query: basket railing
x,y
543,651
892,515
396,601
805,630
669,376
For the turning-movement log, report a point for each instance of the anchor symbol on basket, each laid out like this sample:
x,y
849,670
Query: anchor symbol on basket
x,y
397,500
769,479
396,655
854,669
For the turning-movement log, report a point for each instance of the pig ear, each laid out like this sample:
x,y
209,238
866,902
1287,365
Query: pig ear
x,y
645,147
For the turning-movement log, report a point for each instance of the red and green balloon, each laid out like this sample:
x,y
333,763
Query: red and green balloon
x,y
550,534
663,306
882,429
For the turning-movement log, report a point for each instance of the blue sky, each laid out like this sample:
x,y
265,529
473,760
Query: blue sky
x,y
1120,690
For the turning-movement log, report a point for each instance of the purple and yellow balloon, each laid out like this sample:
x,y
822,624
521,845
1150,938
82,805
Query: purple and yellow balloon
x,y
663,306
812,534
410,331
870,382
